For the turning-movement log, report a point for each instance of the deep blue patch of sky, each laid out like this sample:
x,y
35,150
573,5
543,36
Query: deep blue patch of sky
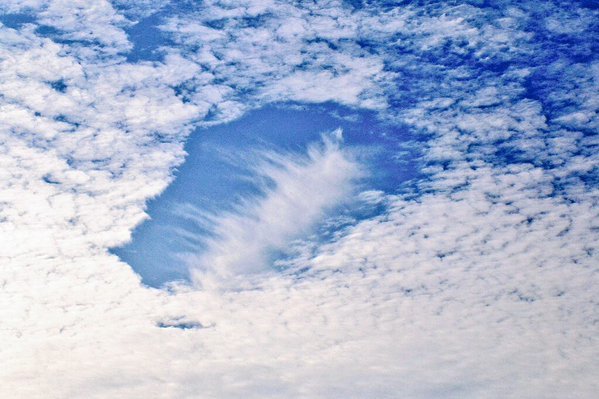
x,y
147,38
15,21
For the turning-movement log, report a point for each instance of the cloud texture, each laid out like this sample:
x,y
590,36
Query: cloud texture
x,y
480,281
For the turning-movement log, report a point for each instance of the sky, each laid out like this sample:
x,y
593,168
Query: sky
x,y
325,199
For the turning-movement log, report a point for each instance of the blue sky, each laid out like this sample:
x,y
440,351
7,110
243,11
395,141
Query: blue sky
x,y
267,198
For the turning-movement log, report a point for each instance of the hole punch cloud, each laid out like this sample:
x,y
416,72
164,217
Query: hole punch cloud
x,y
481,282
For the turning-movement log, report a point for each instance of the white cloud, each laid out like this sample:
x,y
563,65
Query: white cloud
x,y
481,284
284,57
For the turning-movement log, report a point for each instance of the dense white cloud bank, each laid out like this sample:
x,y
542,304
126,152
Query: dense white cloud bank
x,y
483,283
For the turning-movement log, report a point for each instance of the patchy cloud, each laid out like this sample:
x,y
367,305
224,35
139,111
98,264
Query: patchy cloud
x,y
479,281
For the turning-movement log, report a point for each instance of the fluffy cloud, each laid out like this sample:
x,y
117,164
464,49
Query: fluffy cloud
x,y
481,282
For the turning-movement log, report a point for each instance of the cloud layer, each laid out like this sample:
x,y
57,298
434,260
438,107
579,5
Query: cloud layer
x,y
480,281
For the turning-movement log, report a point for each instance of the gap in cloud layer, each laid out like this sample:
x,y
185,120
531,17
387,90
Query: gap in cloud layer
x,y
234,176
15,21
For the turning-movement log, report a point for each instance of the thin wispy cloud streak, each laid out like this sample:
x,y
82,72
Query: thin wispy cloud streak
x,y
296,190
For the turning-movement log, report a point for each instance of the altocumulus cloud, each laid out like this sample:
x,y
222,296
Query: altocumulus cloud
x,y
481,281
